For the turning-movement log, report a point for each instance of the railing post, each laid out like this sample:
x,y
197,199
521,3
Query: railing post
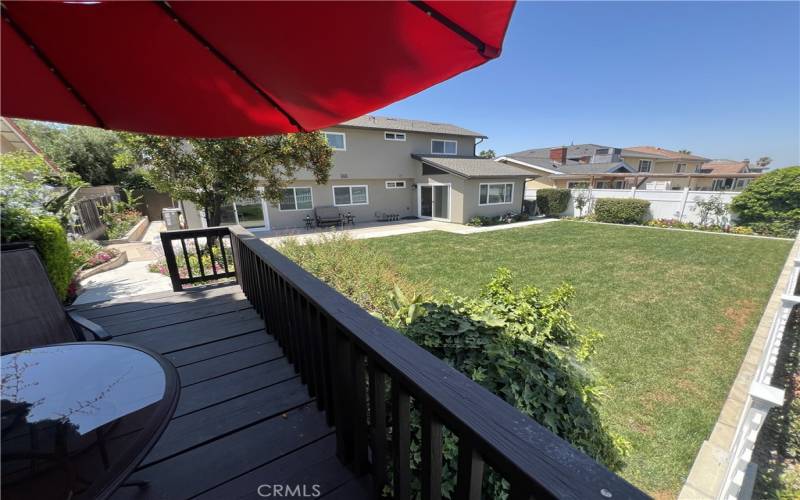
x,y
172,264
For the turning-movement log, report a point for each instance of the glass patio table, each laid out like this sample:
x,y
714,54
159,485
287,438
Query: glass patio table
x,y
78,418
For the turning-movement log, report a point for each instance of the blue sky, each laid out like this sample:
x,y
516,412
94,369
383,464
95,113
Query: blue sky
x,y
719,79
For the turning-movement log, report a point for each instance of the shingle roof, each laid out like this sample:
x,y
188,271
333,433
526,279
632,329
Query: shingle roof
x,y
471,167
666,153
404,125
574,151
724,167
593,168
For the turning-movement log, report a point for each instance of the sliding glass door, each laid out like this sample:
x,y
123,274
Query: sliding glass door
x,y
434,201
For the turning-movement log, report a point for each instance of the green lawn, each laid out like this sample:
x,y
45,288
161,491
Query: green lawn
x,y
677,309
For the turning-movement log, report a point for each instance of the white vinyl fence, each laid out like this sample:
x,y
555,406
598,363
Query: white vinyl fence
x,y
664,204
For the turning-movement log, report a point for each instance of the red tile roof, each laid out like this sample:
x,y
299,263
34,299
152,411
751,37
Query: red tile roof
x,y
724,167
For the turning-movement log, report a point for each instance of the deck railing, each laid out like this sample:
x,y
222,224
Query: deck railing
x,y
366,377
198,243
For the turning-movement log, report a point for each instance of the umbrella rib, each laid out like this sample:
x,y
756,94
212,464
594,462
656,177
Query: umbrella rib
x,y
166,8
487,51
50,66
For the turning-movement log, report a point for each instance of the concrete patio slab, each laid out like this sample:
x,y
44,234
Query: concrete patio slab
x,y
383,229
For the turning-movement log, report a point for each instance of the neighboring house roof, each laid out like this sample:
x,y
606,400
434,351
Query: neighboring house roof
x,y
724,167
15,139
664,153
573,151
472,167
404,125
595,168
571,167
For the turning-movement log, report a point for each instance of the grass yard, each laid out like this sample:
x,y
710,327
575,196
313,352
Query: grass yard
x,y
677,309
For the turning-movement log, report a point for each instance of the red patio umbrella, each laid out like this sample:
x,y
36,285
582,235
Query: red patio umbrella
x,y
222,69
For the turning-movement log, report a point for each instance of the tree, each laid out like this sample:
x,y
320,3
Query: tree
x,y
684,151
764,161
772,197
487,153
214,172
87,151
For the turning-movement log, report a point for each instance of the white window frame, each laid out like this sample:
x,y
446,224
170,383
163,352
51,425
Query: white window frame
x,y
681,167
443,148
351,186
488,186
576,185
649,166
394,184
344,140
396,136
294,193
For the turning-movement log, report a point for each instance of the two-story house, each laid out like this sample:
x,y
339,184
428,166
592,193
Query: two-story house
x,y
408,168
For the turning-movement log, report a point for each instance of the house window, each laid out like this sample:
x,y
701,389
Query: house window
x,y
495,194
395,184
601,151
394,136
296,198
645,165
680,168
442,147
577,185
618,185
350,195
336,140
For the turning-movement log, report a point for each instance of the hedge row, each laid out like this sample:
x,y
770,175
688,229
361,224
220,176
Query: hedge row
x,y
552,201
621,210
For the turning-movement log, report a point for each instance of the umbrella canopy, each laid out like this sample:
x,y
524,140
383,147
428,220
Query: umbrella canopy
x,y
224,69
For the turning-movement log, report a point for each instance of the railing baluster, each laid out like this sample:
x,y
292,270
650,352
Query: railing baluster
x,y
401,441
210,247
172,264
431,455
470,471
291,338
331,366
377,386
361,430
222,251
320,363
345,414
199,257
186,258
305,345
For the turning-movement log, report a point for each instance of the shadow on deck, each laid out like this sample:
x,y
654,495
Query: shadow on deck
x,y
244,418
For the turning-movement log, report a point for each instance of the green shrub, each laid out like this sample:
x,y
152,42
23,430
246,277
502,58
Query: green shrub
x,y
620,210
552,201
82,250
524,347
777,229
50,239
772,198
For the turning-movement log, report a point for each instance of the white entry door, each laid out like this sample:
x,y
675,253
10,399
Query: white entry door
x,y
433,201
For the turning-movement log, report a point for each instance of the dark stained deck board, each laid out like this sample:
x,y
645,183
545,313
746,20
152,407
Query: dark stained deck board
x,y
218,348
244,418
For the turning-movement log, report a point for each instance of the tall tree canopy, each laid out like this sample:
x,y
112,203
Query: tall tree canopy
x,y
487,153
87,151
214,172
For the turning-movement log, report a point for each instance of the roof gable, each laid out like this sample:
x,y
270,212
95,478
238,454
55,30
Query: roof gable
x,y
406,125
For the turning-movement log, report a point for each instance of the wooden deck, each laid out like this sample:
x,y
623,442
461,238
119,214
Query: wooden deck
x,y
244,418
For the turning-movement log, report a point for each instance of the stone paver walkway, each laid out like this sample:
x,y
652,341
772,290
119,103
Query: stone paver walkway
x,y
132,278
382,229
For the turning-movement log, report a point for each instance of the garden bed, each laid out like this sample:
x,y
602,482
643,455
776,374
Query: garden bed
x,y
135,233
114,262
684,227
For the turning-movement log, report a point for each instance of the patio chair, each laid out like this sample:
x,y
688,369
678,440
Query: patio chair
x,y
32,315
327,215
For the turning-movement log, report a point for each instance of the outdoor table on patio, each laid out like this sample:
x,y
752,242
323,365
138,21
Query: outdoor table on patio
x,y
77,418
